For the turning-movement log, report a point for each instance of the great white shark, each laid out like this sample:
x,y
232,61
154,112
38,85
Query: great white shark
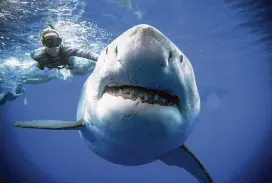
x,y
139,105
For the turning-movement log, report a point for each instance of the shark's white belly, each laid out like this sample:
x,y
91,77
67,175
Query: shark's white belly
x,y
131,139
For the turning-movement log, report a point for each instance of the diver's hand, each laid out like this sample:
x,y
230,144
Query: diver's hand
x,y
41,67
17,90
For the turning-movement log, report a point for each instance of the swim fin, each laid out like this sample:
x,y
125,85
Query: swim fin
x,y
183,157
50,124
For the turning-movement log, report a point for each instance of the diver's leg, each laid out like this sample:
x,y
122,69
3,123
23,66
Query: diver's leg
x,y
15,92
3,98
11,95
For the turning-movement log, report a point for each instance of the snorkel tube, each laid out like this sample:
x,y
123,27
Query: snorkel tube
x,y
51,26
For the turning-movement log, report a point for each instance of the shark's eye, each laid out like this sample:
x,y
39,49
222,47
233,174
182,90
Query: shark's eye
x,y
181,58
107,50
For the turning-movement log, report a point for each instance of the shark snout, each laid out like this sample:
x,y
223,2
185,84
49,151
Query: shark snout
x,y
145,47
141,57
144,30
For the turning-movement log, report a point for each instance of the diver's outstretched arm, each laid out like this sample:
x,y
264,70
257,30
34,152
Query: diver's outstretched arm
x,y
11,95
81,67
3,98
83,53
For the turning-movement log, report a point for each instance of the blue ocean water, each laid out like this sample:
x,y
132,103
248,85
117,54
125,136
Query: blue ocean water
x,y
228,44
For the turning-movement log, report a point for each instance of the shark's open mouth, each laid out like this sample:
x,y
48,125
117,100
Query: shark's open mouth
x,y
150,96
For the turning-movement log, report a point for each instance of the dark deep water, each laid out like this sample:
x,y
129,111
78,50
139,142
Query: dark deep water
x,y
228,43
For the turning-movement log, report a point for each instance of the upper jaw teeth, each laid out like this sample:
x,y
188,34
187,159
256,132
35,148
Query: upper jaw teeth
x,y
142,94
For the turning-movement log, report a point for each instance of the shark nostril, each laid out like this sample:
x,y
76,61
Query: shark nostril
x,y
116,50
181,58
170,55
107,50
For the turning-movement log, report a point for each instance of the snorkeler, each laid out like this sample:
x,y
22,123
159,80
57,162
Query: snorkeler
x,y
52,55
55,55
11,95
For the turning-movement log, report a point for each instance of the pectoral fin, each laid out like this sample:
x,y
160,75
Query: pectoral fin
x,y
50,124
183,157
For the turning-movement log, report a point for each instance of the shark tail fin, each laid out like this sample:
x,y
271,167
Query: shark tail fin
x,y
183,157
50,124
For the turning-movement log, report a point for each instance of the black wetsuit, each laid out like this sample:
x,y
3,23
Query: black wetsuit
x,y
63,59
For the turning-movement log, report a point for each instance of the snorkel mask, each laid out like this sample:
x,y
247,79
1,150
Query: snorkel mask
x,y
51,42
50,38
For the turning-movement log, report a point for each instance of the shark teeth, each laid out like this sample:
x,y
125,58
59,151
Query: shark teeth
x,y
143,95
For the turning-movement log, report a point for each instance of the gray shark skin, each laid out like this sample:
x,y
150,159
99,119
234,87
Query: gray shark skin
x,y
139,57
139,105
